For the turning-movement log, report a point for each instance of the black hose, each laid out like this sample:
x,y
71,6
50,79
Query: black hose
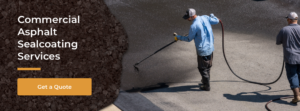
x,y
253,81
276,100
223,47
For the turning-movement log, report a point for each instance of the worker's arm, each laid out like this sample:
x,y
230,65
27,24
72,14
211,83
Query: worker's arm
x,y
189,37
279,37
213,19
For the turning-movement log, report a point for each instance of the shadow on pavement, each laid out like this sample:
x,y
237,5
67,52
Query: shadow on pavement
x,y
176,89
148,88
164,87
243,96
256,97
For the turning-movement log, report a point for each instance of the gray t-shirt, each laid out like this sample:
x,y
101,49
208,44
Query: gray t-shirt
x,y
289,37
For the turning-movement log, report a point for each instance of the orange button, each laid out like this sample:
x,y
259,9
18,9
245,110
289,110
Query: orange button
x,y
54,86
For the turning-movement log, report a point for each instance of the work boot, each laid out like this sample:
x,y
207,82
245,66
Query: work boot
x,y
204,87
296,100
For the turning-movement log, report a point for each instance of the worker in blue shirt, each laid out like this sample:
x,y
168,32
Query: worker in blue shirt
x,y
201,33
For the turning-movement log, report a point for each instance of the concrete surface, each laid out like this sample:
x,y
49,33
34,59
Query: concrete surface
x,y
250,26
111,107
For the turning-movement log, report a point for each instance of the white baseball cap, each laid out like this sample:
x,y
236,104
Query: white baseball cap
x,y
190,12
292,15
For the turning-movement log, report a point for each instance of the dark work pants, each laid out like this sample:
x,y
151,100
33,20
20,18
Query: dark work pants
x,y
204,65
293,74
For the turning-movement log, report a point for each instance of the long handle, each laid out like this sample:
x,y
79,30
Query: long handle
x,y
135,65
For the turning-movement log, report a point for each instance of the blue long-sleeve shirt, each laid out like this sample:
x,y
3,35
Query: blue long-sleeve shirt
x,y
202,34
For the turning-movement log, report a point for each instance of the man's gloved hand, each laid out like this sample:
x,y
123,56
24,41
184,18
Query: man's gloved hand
x,y
175,36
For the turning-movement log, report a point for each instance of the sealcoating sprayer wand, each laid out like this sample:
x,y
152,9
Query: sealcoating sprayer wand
x,y
135,65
